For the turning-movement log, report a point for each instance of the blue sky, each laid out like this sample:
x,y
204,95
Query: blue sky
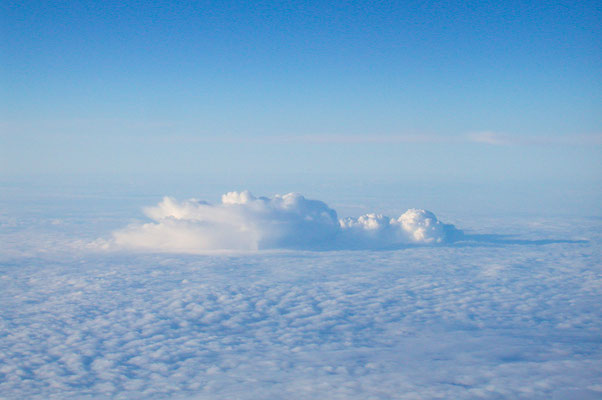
x,y
460,91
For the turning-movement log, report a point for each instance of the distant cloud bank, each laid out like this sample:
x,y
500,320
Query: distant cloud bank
x,y
245,222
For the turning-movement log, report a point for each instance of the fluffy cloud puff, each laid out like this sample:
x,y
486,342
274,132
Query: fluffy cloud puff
x,y
245,222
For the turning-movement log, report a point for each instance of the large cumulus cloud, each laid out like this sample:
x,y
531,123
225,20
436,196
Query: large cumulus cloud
x,y
245,222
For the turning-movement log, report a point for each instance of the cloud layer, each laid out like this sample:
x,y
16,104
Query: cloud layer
x,y
245,222
514,320
491,322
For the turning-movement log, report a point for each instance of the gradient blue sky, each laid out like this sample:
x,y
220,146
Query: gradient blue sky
x,y
446,91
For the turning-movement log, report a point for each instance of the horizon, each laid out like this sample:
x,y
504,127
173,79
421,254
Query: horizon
x,y
301,200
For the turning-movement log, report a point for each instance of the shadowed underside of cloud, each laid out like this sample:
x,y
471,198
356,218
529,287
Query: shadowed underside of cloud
x,y
245,222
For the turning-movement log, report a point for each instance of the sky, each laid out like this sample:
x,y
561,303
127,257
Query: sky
x,y
453,92
422,217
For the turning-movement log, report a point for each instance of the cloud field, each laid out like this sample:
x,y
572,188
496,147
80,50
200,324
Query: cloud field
x,y
245,222
445,322
510,318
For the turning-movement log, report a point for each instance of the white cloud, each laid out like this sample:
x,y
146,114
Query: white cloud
x,y
518,321
501,139
414,226
427,323
245,222
488,137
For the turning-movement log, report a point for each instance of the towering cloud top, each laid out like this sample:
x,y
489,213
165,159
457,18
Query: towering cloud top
x,y
245,222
